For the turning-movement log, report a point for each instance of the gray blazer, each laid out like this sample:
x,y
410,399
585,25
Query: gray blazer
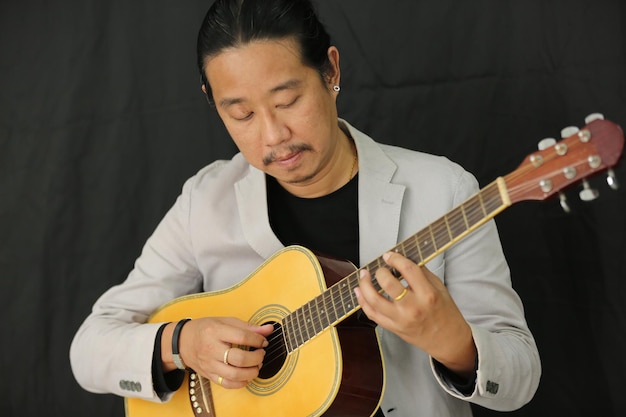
x,y
218,232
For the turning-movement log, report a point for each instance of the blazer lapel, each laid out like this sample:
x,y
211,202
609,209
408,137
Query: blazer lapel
x,y
380,201
252,204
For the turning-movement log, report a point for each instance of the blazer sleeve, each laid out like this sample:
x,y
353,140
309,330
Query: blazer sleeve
x,y
478,278
113,348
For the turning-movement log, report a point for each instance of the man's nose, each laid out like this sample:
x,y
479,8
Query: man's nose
x,y
274,130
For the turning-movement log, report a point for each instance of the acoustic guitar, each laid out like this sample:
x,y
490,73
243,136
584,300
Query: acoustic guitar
x,y
323,359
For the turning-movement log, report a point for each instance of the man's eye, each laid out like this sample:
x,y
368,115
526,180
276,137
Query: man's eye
x,y
291,103
244,118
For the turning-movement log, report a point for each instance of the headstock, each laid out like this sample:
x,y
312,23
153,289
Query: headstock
x,y
581,153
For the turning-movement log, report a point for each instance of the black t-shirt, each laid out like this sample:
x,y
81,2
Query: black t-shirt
x,y
326,225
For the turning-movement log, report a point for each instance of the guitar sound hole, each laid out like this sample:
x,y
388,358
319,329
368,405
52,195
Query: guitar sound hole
x,y
275,353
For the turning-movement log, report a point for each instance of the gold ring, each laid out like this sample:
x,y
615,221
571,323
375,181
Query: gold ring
x,y
401,295
226,356
220,379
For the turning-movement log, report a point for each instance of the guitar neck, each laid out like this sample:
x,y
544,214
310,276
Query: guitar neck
x,y
339,302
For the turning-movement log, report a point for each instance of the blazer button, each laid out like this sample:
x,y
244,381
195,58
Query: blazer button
x,y
492,387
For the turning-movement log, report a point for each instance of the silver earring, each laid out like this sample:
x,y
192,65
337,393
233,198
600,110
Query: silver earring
x,y
336,88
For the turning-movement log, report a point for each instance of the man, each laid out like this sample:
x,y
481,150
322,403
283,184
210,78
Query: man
x,y
304,176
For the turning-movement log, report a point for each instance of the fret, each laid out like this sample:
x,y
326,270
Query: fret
x,y
495,200
342,309
318,324
457,225
482,203
345,289
426,245
310,320
462,208
332,291
297,328
441,236
400,249
353,282
475,215
445,219
324,313
419,250
301,325
378,266
294,331
432,236
283,332
287,329
306,318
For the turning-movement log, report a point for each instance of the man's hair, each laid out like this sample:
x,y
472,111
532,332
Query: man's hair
x,y
233,23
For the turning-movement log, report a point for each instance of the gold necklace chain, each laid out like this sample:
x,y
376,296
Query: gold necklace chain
x,y
353,164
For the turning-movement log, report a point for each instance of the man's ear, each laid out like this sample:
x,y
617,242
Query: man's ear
x,y
206,95
334,75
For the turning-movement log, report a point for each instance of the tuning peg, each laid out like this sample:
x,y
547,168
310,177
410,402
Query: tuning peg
x,y
612,180
546,143
564,203
569,131
588,193
594,116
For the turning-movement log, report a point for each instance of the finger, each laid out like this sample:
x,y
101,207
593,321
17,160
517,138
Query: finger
x,y
390,283
244,365
227,383
237,332
375,306
410,271
242,358
367,292
369,296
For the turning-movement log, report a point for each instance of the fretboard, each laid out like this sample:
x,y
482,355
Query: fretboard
x,y
339,301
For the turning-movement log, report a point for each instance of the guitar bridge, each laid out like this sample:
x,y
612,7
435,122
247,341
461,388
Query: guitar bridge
x,y
200,395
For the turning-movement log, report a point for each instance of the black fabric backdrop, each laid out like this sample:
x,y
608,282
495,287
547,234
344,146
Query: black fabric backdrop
x,y
102,119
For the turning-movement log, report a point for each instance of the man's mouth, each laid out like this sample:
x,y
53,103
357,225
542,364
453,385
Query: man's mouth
x,y
288,159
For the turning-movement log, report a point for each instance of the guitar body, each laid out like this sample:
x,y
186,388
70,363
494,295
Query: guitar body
x,y
339,372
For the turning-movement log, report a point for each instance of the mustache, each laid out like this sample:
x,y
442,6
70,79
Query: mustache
x,y
290,150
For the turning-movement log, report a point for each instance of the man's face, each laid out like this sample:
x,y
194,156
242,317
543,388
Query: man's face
x,y
281,115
